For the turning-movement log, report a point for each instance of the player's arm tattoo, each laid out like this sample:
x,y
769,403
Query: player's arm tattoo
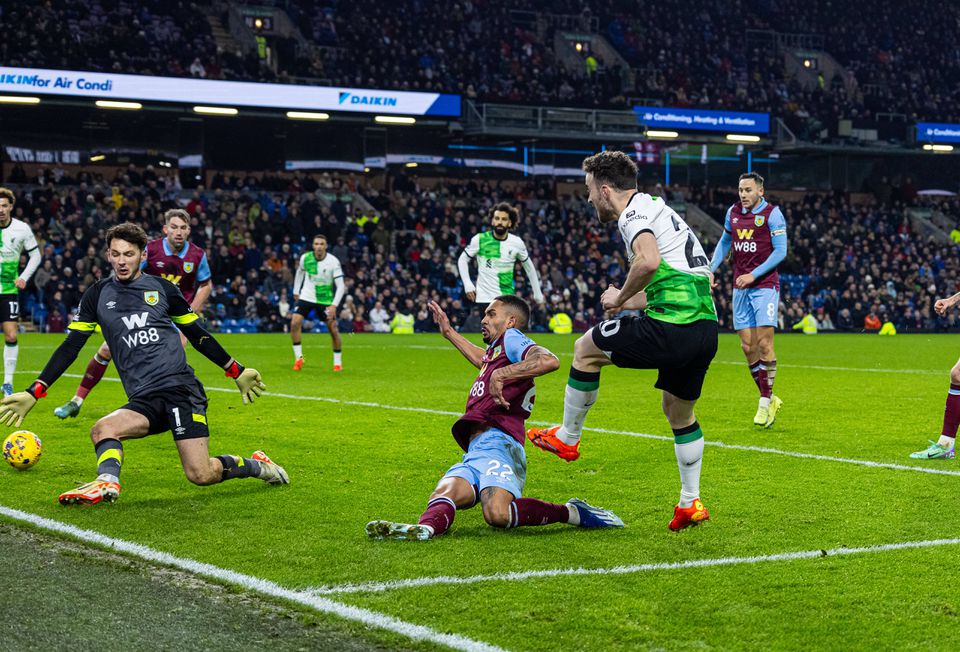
x,y
539,361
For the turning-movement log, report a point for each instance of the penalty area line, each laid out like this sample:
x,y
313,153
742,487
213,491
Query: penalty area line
x,y
627,433
520,576
256,584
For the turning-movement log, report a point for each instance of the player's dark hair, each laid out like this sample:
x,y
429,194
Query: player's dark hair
x,y
520,307
128,232
6,193
753,175
176,212
504,207
319,235
612,168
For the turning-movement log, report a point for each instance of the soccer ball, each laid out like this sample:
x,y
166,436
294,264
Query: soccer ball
x,y
22,449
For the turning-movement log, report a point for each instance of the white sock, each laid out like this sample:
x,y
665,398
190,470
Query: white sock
x,y
336,358
946,442
764,401
10,362
574,518
77,400
689,459
576,404
297,351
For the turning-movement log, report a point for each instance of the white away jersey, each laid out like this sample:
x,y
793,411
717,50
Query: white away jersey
x,y
496,261
17,238
315,278
679,291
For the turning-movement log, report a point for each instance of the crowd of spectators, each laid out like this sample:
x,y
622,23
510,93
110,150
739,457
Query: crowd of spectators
x,y
491,50
848,264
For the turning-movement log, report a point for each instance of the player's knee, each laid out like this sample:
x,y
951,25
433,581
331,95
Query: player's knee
x,y
955,375
101,431
201,475
746,347
497,515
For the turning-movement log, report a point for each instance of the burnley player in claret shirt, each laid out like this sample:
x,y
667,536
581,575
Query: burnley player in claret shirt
x,y
491,432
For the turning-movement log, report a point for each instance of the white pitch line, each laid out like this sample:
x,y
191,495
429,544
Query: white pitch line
x,y
256,584
640,435
519,576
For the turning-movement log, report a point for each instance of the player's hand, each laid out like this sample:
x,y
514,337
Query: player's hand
x,y
714,283
610,299
941,306
496,389
744,281
439,317
471,296
15,407
331,313
20,283
250,385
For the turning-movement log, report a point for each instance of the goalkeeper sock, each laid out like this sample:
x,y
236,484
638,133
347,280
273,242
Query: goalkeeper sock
x,y
238,467
109,457
688,447
94,372
581,393
439,515
10,353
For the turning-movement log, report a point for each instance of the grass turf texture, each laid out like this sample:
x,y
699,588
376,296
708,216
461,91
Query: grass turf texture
x,y
349,464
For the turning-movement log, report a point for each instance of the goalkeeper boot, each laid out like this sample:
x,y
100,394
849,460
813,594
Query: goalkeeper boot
x,y
104,489
689,516
7,389
591,516
402,531
298,365
934,452
69,409
546,438
775,405
270,472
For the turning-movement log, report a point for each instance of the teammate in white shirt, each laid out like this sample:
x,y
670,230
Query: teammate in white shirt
x,y
497,253
318,288
15,238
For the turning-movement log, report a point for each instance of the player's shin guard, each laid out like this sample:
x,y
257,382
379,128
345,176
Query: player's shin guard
x,y
94,372
439,515
109,457
951,412
688,446
235,466
581,393
530,511
10,353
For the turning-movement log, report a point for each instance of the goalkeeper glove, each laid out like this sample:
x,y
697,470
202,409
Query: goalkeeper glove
x,y
15,407
248,381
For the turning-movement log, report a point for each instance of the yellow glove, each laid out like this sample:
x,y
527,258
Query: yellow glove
x,y
248,381
15,407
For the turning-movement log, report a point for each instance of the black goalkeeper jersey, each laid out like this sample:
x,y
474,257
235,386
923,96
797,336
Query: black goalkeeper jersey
x,y
137,320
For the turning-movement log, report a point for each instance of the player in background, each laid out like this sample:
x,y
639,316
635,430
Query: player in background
x,y
494,468
171,257
16,238
944,448
668,278
318,273
497,253
756,232
137,314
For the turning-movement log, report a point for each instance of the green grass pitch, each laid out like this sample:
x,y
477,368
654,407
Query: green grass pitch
x,y
355,458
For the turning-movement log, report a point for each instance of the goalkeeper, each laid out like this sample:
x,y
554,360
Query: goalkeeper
x,y
139,316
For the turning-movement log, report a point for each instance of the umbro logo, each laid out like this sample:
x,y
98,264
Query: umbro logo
x,y
111,305
159,263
